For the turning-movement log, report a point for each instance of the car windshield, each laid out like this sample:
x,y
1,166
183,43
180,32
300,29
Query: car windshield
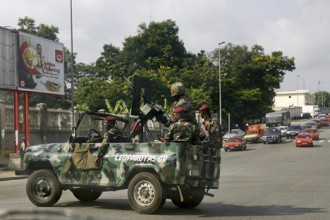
x,y
294,128
94,122
234,140
304,136
272,131
235,131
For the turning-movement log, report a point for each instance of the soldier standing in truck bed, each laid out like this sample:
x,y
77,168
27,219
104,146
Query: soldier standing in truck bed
x,y
210,128
178,93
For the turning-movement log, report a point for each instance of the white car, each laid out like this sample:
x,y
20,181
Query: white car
x,y
284,130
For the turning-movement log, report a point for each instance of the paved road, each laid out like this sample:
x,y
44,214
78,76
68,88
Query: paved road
x,y
267,181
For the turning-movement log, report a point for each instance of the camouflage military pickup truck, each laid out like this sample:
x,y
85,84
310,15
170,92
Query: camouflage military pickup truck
x,y
151,171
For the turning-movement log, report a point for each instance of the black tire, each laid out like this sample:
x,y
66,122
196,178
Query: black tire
x,y
191,198
86,195
43,188
145,193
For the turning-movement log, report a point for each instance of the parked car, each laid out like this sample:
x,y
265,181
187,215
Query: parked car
x,y
234,133
293,131
235,143
314,133
272,135
304,139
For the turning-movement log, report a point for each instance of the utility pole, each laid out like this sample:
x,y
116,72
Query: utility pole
x,y
220,107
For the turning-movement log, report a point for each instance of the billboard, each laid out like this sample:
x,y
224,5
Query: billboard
x,y
40,65
8,59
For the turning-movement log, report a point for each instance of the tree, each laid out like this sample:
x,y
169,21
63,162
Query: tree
x,y
250,78
156,52
322,99
156,45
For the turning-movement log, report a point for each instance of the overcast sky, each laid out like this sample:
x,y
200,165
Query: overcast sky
x,y
298,28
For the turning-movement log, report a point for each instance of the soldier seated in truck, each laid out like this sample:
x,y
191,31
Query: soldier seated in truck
x,y
181,130
112,133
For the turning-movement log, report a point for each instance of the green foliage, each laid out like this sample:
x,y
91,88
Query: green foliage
x,y
249,80
120,107
322,99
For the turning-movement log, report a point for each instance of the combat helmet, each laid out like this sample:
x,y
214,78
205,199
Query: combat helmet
x,y
177,89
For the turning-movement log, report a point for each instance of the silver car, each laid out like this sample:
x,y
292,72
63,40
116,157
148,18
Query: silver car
x,y
234,133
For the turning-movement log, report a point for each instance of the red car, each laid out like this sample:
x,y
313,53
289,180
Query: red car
x,y
235,143
324,122
304,139
313,132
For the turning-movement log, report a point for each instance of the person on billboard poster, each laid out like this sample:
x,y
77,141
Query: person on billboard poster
x,y
41,61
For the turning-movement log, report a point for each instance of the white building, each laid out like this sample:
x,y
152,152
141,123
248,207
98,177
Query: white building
x,y
298,98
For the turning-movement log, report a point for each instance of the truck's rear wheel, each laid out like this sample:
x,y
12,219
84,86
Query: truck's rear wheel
x,y
145,193
191,198
43,188
86,195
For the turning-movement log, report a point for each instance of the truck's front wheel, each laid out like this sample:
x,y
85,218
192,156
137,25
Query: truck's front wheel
x,y
191,198
145,193
43,188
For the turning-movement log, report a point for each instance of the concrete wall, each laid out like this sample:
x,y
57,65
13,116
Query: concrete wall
x,y
45,126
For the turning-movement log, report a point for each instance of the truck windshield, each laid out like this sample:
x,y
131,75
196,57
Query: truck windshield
x,y
274,119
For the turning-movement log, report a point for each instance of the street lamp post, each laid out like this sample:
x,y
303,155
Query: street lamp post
x,y
71,68
297,88
220,107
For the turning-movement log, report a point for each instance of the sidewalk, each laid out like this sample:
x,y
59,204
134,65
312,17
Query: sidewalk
x,y
6,173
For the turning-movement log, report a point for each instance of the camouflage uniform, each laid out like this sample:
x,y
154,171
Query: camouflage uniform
x,y
108,137
186,103
212,126
177,91
181,131
189,114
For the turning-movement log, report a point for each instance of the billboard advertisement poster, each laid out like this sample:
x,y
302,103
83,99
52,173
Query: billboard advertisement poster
x,y
40,65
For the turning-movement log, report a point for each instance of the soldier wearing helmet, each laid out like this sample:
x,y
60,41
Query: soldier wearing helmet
x,y
178,93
